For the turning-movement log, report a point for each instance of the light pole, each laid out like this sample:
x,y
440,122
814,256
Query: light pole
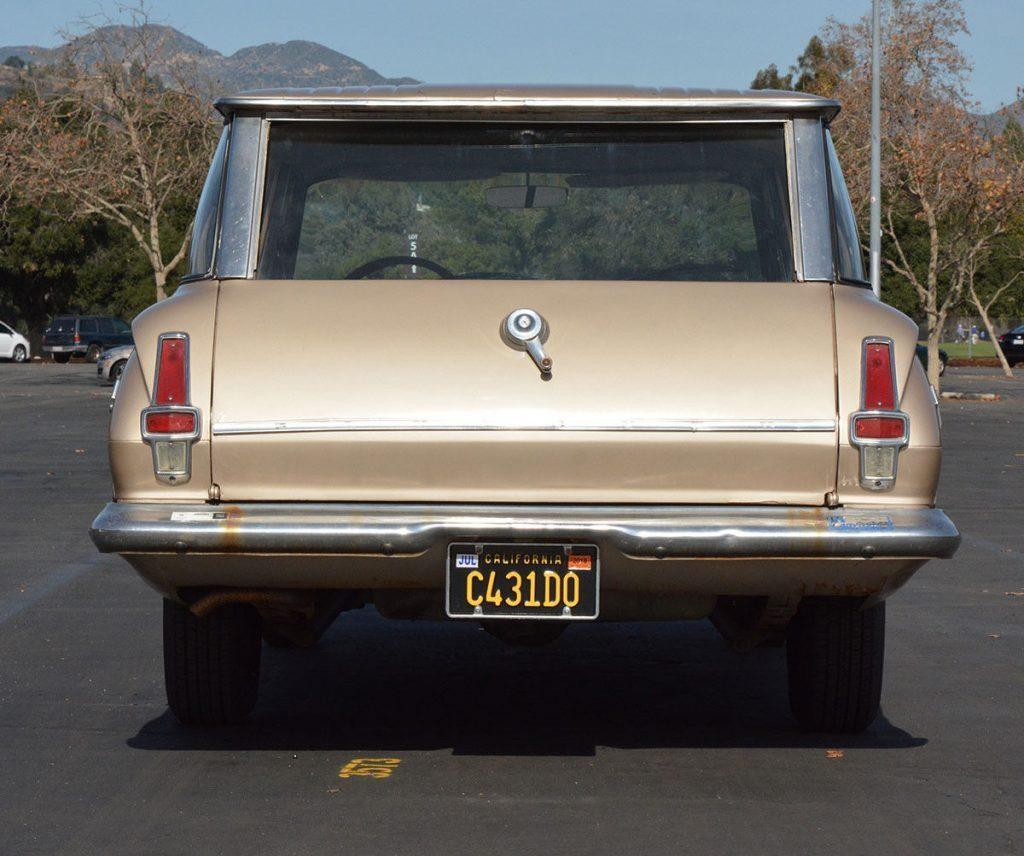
x,y
876,150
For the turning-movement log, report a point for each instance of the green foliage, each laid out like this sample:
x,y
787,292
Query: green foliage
x,y
817,70
50,264
628,232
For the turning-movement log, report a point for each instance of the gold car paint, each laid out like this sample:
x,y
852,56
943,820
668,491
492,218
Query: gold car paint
x,y
193,310
430,349
858,315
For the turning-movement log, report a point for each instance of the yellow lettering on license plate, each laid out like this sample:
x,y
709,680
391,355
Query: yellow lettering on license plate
x,y
531,589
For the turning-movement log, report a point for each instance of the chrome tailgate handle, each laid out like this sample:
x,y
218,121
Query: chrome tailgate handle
x,y
526,330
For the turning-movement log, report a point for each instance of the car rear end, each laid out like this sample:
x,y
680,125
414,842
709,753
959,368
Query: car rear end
x,y
517,402
62,337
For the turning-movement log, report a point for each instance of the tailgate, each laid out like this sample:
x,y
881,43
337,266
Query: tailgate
x,y
404,391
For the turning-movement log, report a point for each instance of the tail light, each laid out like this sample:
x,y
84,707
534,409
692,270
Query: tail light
x,y
879,430
78,339
170,424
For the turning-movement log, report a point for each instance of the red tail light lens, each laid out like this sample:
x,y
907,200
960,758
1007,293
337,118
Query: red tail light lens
x,y
879,382
878,427
171,381
170,423
78,339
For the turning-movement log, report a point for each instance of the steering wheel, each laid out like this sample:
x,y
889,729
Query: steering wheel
x,y
375,265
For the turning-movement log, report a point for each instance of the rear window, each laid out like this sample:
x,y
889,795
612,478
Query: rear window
x,y
697,202
63,325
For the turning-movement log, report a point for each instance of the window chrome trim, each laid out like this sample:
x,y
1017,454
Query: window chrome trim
x,y
239,202
304,426
814,210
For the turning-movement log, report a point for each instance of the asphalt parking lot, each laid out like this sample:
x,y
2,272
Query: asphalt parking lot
x,y
633,738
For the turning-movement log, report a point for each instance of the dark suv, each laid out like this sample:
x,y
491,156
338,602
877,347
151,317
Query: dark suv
x,y
85,335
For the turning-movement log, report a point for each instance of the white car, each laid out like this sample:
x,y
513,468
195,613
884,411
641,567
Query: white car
x,y
13,346
112,362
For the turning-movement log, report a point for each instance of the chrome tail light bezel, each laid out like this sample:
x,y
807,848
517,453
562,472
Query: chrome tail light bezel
x,y
879,483
187,438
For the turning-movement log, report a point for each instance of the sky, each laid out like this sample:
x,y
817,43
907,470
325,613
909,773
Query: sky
x,y
655,42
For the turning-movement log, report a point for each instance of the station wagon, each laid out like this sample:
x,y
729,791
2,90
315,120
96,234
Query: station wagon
x,y
519,401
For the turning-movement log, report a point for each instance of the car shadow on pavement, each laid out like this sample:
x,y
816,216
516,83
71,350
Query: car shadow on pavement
x,y
387,686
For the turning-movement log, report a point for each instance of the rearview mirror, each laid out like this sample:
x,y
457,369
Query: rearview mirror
x,y
527,196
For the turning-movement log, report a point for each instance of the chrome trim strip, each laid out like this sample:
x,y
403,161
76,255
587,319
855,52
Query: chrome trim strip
x,y
305,426
635,531
510,100
238,200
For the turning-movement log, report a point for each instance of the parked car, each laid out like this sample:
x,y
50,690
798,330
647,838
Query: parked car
x,y
508,423
922,355
84,336
112,362
13,346
1012,344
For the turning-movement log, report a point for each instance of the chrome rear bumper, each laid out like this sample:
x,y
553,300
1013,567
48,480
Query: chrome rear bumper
x,y
637,532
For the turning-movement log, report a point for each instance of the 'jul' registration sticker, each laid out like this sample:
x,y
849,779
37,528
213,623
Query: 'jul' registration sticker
x,y
581,563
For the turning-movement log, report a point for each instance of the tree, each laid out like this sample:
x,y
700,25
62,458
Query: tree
x,y
108,138
937,162
818,69
949,193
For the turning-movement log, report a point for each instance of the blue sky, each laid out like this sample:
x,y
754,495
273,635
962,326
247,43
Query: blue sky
x,y
659,42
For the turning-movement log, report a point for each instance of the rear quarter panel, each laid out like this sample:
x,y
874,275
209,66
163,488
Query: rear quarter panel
x,y
191,310
858,315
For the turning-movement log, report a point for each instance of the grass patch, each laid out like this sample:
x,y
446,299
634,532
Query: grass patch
x,y
959,350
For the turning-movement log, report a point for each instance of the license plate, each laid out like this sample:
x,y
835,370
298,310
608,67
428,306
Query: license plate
x,y
544,581
1018,341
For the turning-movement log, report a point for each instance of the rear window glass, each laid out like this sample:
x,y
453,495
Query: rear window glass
x,y
63,325
653,202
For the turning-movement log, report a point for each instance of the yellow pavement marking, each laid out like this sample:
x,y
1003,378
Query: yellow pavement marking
x,y
370,768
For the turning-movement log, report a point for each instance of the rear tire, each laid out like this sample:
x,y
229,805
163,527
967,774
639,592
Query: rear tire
x,y
93,354
62,358
116,370
835,651
20,354
211,664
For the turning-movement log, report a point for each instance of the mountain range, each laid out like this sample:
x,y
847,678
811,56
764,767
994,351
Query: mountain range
x,y
295,63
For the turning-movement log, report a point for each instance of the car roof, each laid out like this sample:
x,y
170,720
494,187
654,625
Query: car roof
x,y
637,101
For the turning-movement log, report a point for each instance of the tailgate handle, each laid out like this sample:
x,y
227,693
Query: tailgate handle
x,y
526,330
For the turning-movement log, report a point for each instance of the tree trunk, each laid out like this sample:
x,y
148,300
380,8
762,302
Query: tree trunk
x,y
991,333
934,363
160,278
935,321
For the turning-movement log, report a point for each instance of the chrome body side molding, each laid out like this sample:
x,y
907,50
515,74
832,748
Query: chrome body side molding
x,y
301,426
638,532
